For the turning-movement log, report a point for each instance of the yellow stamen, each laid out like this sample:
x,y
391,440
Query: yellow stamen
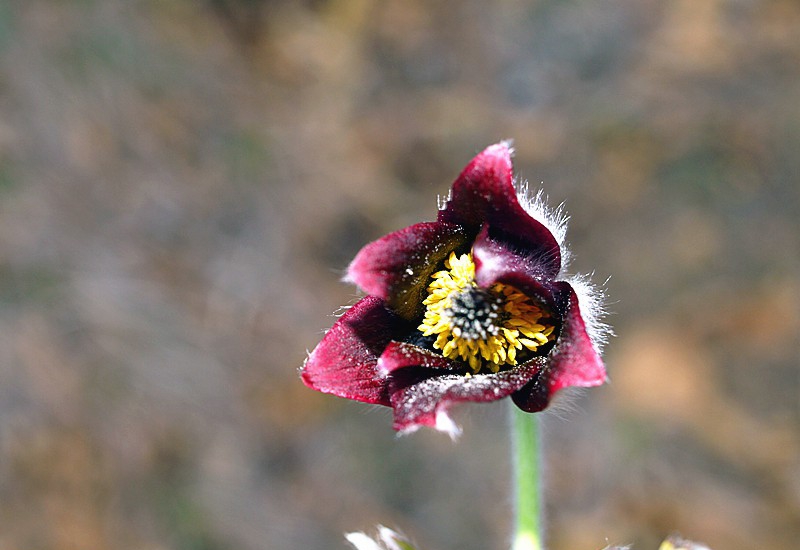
x,y
486,328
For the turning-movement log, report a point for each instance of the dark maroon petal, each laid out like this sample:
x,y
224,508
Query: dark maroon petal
x,y
496,262
573,361
345,362
419,401
398,267
534,396
399,355
484,194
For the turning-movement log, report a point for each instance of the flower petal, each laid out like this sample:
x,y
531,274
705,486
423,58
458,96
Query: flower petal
x,y
345,362
399,355
422,397
397,267
484,194
574,361
497,262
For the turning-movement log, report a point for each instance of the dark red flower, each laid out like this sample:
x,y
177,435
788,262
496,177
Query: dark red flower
x,y
474,306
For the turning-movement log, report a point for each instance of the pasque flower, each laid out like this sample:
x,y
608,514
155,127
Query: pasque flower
x,y
473,307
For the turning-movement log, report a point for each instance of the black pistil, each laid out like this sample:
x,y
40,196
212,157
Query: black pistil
x,y
475,314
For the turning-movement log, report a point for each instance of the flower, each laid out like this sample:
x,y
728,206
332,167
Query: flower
x,y
473,307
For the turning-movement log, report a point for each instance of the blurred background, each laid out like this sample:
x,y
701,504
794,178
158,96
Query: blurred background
x,y
182,184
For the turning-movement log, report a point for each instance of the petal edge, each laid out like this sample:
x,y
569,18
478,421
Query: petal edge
x,y
397,266
345,362
574,361
484,193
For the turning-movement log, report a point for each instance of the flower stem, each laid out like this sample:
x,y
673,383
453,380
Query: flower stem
x,y
527,482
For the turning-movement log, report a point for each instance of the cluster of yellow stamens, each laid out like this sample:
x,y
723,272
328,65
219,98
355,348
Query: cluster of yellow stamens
x,y
486,328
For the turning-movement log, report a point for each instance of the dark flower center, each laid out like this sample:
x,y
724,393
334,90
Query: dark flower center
x,y
474,314
487,328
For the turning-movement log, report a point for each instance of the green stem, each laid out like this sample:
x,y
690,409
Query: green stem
x,y
527,480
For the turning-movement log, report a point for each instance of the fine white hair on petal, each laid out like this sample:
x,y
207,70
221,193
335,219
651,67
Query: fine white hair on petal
x,y
380,368
591,298
554,219
566,402
341,310
408,430
441,202
592,303
510,144
445,424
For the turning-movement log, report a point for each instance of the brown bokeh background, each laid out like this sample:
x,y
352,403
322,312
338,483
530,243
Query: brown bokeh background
x,y
182,184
